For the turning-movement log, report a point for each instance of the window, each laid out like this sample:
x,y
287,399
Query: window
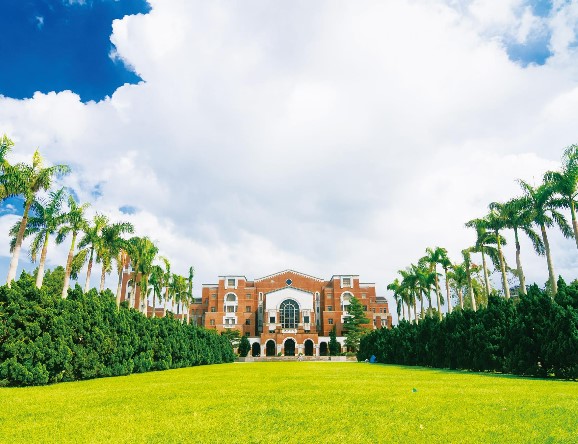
x,y
330,308
247,334
289,311
213,296
231,282
346,282
247,321
247,296
212,322
363,295
365,308
248,309
306,319
231,297
329,295
230,309
373,310
213,309
330,321
384,323
272,320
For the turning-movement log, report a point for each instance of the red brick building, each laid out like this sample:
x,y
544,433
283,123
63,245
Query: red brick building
x,y
286,312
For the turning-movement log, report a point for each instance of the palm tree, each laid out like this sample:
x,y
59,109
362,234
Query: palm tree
x,y
157,282
122,259
111,245
496,221
446,264
516,213
433,257
395,286
466,254
190,292
89,243
142,252
5,147
565,183
483,245
458,276
409,285
166,283
27,180
45,219
544,213
74,222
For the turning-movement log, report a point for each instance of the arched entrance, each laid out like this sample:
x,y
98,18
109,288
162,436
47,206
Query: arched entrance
x,y
323,349
308,347
255,349
270,348
289,347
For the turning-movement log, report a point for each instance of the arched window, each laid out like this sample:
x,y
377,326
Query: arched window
x,y
345,298
289,312
230,303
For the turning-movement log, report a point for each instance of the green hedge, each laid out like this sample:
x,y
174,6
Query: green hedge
x,y
533,336
46,339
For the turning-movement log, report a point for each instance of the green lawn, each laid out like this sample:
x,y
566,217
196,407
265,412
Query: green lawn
x,y
294,402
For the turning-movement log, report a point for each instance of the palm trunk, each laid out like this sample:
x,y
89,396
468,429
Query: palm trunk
x,y
119,287
402,310
553,284
88,271
40,275
438,295
429,311
574,221
471,290
154,303
486,280
461,297
144,295
102,277
421,303
409,312
415,311
68,267
519,264
132,302
503,268
18,245
165,302
448,291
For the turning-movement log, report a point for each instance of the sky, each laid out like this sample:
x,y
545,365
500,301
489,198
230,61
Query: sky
x,y
325,137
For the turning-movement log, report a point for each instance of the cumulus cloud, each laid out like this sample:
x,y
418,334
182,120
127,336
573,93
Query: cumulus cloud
x,y
328,137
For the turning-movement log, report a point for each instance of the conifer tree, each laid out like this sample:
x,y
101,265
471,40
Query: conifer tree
x,y
354,324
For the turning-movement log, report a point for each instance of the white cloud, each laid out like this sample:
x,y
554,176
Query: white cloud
x,y
328,138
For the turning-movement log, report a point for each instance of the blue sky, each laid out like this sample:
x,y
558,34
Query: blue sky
x,y
55,45
325,137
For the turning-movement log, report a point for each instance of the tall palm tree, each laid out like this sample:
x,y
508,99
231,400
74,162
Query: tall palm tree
x,y
5,147
446,264
484,245
565,183
166,283
110,246
190,292
157,282
458,276
142,252
122,259
496,221
45,219
409,284
27,180
75,222
433,257
89,243
395,286
544,213
516,213
466,254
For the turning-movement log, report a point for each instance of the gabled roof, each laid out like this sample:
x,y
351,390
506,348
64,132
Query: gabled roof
x,y
289,271
290,288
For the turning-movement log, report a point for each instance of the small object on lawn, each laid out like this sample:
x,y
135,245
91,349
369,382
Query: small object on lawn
x,y
414,390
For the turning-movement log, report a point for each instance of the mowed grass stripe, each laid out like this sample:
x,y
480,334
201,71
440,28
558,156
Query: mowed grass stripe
x,y
294,402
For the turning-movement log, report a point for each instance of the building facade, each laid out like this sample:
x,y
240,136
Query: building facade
x,y
286,313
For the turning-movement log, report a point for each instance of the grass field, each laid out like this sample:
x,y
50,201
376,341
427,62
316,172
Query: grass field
x,y
294,402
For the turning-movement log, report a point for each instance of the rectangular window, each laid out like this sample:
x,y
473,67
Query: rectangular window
x,y
306,319
230,282
329,295
212,322
213,296
384,323
330,308
363,296
230,309
373,310
330,321
248,309
247,321
346,282
365,308
247,296
213,309
272,320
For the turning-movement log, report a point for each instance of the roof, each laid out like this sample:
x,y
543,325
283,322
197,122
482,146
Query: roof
x,y
289,271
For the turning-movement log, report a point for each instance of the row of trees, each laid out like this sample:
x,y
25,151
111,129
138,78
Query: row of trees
x,y
533,336
46,339
49,213
533,213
